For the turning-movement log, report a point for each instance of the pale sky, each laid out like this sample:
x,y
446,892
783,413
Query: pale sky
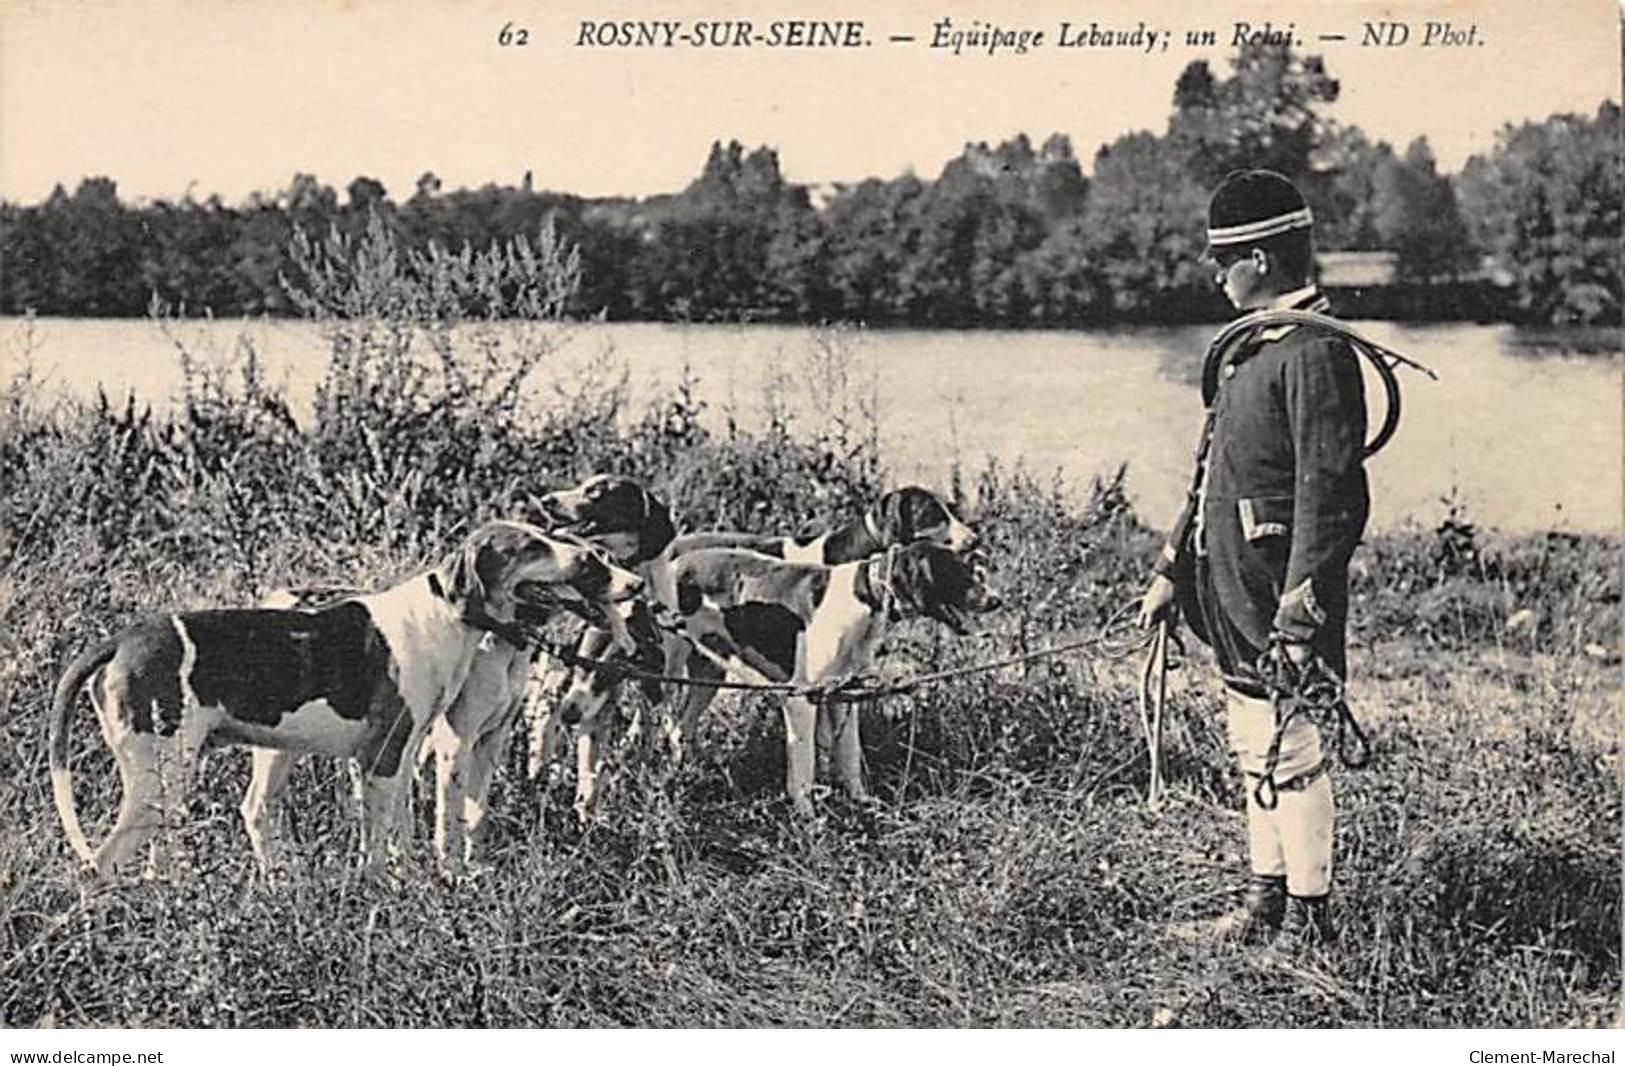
x,y
232,97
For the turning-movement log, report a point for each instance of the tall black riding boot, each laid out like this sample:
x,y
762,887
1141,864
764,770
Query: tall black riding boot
x,y
1308,922
1264,908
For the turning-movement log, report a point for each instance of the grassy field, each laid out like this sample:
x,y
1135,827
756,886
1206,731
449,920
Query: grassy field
x,y
1010,873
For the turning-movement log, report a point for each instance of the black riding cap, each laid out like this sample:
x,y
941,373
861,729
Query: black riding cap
x,y
1251,205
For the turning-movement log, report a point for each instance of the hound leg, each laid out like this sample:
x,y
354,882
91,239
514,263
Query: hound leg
x,y
680,659
484,705
825,743
592,741
452,758
383,801
265,784
545,731
588,705
177,767
386,759
546,738
487,753
683,725
141,812
848,747
800,723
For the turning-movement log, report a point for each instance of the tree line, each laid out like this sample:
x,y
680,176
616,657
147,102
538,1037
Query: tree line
x,y
1010,235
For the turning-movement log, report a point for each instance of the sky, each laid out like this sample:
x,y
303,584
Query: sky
x,y
170,97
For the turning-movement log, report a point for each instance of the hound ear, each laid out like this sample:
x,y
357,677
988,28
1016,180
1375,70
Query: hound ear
x,y
461,573
657,532
911,576
890,507
472,569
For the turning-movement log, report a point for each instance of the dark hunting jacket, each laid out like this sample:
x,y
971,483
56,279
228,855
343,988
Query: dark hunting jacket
x,y
1278,500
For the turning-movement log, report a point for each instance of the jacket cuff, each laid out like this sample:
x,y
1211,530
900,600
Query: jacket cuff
x,y
1166,562
1299,616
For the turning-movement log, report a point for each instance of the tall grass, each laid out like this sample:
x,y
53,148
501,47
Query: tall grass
x,y
1008,874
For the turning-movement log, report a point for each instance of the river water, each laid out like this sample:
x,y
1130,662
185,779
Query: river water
x,y
1523,429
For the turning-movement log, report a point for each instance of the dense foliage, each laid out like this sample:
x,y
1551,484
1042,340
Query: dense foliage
x,y
1546,203
1011,235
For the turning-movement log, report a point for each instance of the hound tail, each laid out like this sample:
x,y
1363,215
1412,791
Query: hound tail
x,y
67,691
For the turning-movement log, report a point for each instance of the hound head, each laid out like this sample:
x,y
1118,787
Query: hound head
x,y
589,690
912,513
935,582
506,570
600,590
615,512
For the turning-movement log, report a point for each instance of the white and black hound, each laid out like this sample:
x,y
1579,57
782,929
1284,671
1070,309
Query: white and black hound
x,y
902,516
471,739
815,626
622,516
630,525
364,677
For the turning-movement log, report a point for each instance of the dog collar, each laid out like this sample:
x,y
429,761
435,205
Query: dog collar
x,y
512,632
882,588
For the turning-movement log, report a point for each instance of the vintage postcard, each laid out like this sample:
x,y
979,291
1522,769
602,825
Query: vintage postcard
x,y
755,515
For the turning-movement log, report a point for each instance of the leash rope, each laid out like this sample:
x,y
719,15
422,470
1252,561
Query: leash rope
x,y
854,689
1316,692
1153,701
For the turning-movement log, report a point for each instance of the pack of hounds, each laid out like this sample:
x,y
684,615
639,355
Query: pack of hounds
x,y
443,664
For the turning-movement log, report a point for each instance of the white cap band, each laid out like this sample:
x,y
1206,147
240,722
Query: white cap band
x,y
1255,231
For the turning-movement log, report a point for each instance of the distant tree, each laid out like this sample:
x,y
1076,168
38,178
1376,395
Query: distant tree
x,y
934,276
1546,203
1059,188
306,197
1416,216
733,178
1143,227
1346,178
799,269
264,231
30,266
1061,279
608,252
1266,114
974,226
428,186
366,193
98,252
872,227
1006,234
188,262
708,267
715,250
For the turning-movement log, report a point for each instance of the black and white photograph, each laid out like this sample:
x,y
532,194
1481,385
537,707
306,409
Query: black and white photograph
x,y
757,515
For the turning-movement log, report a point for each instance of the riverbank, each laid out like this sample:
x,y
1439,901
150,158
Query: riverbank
x,y
1524,433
